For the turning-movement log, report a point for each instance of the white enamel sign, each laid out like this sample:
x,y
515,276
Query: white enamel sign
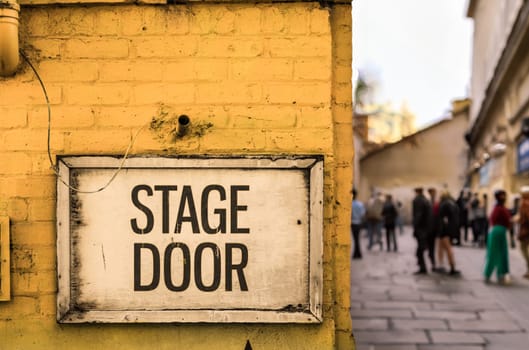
x,y
190,239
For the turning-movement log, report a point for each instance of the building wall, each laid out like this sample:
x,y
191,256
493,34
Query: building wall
x,y
253,78
434,157
500,94
493,22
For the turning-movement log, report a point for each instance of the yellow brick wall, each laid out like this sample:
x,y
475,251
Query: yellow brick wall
x,y
253,78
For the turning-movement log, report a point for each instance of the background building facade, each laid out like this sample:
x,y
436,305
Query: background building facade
x,y
432,157
500,95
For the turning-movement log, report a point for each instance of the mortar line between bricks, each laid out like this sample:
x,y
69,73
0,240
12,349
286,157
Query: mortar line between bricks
x,y
428,336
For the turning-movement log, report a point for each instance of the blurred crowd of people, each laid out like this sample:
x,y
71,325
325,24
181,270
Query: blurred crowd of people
x,y
439,222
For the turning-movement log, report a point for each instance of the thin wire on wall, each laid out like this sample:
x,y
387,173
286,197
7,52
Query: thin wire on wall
x,y
54,166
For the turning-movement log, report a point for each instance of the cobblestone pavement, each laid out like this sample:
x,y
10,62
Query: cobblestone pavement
x,y
392,309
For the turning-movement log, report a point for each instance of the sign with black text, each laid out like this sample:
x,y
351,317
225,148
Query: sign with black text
x,y
190,239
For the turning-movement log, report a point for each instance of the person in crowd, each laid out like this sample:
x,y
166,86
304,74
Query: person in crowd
x,y
358,212
389,212
374,220
400,221
485,220
514,225
462,203
435,226
523,229
422,212
479,225
449,222
497,257
472,205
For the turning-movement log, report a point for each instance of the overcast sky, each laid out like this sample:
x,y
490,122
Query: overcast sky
x,y
418,50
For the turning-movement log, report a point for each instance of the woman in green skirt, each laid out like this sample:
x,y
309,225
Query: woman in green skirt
x,y
497,249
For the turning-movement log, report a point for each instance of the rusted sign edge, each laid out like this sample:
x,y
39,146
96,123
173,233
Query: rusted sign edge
x,y
185,161
188,316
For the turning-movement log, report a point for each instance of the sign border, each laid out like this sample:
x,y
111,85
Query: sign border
x,y
69,312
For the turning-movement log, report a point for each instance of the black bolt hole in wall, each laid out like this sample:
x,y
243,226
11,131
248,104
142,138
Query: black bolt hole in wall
x,y
248,345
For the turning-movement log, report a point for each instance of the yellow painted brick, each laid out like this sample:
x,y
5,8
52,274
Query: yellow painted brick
x,y
147,71
44,257
131,21
211,19
272,20
346,154
96,48
177,20
343,133
342,113
300,46
12,117
270,117
345,340
228,92
41,164
297,19
312,94
111,141
128,116
124,71
15,163
112,71
342,93
107,20
230,47
342,72
35,21
319,21
61,117
41,210
148,142
262,69
35,233
32,140
306,140
247,20
19,307
163,93
70,21
47,304
32,187
98,94
154,20
181,70
60,71
29,93
22,259
315,117
218,116
343,51
210,69
17,209
163,47
48,48
312,69
47,281
239,140
81,20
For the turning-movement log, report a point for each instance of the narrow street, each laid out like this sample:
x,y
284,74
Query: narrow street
x,y
392,309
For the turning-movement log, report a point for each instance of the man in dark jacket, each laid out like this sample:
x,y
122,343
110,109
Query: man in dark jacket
x,y
449,214
389,212
422,217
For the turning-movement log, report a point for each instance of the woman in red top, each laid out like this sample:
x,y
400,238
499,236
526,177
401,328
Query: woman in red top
x,y
523,232
497,251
